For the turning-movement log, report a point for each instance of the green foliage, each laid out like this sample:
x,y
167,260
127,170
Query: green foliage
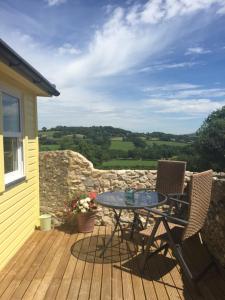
x,y
138,142
121,145
129,164
102,144
210,143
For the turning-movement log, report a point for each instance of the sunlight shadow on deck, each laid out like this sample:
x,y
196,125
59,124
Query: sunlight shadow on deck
x,y
116,252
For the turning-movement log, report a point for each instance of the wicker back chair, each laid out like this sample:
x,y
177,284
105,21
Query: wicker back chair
x,y
170,177
170,182
200,195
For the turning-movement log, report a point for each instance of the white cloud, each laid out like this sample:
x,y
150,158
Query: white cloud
x,y
67,48
129,37
171,87
157,11
183,91
160,67
187,107
197,50
55,2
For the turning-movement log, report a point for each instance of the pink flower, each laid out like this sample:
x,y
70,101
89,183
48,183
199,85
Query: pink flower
x,y
92,195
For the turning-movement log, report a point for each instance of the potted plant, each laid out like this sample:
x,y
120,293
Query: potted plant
x,y
84,207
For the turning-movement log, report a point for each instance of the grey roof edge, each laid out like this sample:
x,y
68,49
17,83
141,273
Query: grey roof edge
x,y
21,66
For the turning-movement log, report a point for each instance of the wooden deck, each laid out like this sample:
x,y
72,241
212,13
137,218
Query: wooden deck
x,y
63,265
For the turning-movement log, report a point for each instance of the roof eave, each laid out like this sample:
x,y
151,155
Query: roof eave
x,y
18,64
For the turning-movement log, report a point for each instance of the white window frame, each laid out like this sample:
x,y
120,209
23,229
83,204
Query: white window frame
x,y
18,174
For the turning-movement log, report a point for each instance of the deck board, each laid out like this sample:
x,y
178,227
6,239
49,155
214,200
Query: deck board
x,y
48,267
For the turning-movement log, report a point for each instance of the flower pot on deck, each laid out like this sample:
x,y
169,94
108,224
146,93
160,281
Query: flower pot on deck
x,y
86,221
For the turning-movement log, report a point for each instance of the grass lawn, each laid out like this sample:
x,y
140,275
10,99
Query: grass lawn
x,y
130,163
120,145
49,147
170,143
117,144
117,138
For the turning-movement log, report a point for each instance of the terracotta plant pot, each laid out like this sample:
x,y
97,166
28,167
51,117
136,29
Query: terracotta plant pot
x,y
86,221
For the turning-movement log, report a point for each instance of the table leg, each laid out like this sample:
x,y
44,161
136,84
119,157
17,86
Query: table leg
x,y
117,218
136,224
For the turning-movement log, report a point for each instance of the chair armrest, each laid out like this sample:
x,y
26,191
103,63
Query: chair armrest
x,y
167,216
176,220
177,194
179,201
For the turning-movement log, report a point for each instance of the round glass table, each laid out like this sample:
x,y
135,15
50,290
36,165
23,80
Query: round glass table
x,y
129,200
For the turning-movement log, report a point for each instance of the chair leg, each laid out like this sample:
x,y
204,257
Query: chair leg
x,y
150,242
166,249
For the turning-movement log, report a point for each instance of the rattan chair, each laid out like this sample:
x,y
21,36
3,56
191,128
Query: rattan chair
x,y
175,238
170,182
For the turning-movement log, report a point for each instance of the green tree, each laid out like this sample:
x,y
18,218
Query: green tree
x,y
210,143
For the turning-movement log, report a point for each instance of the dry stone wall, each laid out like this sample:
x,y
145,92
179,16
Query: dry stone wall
x,y
62,173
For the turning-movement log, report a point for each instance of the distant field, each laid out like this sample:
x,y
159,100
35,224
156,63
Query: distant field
x,y
129,163
117,138
117,144
120,145
170,143
49,147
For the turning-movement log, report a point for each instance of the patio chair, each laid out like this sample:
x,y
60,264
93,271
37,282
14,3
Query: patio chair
x,y
185,229
170,182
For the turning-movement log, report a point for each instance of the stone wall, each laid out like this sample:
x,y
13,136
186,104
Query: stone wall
x,y
62,173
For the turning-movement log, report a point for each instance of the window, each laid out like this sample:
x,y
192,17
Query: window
x,y
12,138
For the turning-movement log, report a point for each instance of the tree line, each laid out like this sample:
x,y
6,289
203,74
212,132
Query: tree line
x,y
203,149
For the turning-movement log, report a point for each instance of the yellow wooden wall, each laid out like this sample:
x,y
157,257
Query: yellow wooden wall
x,y
19,204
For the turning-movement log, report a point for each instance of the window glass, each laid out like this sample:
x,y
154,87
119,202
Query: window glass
x,y
10,154
11,114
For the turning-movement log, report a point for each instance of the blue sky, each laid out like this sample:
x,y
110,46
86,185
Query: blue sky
x,y
142,65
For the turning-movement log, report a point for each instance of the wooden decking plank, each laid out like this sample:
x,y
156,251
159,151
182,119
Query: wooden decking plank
x,y
95,288
68,274
117,286
167,277
184,290
78,272
40,294
138,287
30,292
59,273
44,268
128,291
32,240
17,263
21,289
88,270
106,288
15,276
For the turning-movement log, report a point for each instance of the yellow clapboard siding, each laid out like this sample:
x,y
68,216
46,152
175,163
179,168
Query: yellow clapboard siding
x,y
19,207
29,215
32,167
15,245
32,147
22,190
32,153
2,185
28,224
21,215
32,161
5,205
12,210
12,251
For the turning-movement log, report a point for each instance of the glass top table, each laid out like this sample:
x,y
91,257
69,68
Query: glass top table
x,y
130,200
